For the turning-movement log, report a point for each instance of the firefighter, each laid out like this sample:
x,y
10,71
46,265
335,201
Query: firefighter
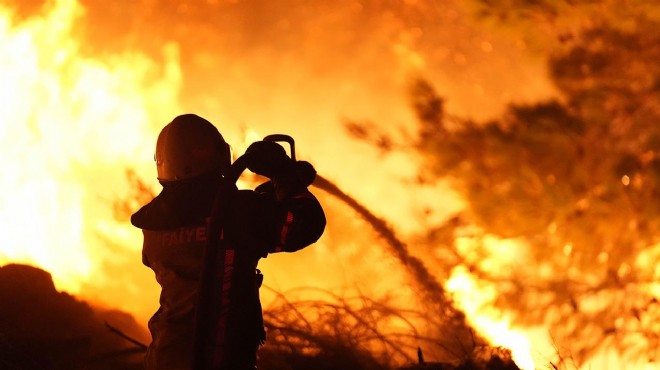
x,y
194,166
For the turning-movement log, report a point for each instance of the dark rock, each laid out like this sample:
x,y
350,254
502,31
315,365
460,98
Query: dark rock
x,y
41,328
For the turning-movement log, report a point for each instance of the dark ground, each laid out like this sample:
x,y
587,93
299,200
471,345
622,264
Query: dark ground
x,y
43,329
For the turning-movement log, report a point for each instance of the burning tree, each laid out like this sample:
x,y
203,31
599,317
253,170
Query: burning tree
x,y
576,180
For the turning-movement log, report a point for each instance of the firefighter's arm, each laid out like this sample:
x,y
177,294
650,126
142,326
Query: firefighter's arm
x,y
299,219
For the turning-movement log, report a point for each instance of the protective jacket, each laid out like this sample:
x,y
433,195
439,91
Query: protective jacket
x,y
175,226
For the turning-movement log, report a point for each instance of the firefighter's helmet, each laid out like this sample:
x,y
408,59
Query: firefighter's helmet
x,y
188,147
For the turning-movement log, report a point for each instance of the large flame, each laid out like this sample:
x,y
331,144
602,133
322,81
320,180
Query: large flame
x,y
476,300
70,122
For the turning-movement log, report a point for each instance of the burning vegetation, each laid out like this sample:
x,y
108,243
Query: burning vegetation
x,y
525,227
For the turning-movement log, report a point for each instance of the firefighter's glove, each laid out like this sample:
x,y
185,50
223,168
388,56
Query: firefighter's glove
x,y
304,173
268,159
295,181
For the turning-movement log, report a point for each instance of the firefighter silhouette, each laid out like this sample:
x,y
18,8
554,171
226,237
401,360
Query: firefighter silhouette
x,y
210,315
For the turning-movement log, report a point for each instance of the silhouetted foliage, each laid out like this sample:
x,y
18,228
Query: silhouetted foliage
x,y
576,179
360,333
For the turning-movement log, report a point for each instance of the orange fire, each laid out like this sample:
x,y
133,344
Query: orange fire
x,y
72,124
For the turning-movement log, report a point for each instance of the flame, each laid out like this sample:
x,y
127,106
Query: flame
x,y
474,300
70,126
